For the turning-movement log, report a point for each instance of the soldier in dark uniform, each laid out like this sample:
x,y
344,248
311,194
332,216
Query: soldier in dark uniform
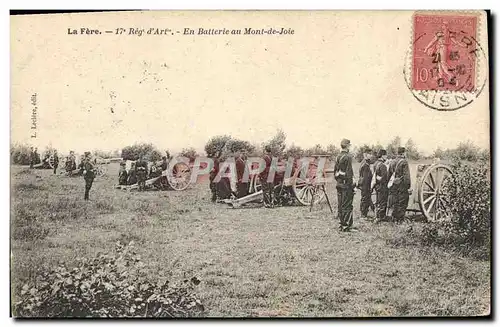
x,y
267,186
401,185
32,157
37,156
88,174
380,185
122,174
213,173
345,188
56,161
241,185
132,177
364,183
141,168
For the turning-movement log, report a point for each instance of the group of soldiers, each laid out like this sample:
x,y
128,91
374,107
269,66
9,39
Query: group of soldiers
x,y
139,173
34,158
389,179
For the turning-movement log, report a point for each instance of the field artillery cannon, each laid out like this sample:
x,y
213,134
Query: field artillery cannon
x,y
428,193
177,178
303,187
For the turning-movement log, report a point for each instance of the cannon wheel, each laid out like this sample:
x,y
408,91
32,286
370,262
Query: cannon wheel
x,y
51,161
180,177
430,192
255,185
304,188
100,171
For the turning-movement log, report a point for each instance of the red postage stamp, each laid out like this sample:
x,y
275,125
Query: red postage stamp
x,y
444,52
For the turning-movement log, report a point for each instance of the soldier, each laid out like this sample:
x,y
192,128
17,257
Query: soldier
x,y
122,174
56,161
345,188
132,176
267,186
37,156
161,182
241,186
379,183
364,183
213,173
400,174
32,157
141,168
88,174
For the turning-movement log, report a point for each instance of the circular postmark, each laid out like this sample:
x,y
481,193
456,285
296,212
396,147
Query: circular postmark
x,y
446,67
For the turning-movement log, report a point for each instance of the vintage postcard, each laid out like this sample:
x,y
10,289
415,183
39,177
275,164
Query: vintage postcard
x,y
172,164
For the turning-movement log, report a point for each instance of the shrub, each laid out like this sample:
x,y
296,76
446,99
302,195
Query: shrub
x,y
149,152
189,153
468,193
109,285
20,154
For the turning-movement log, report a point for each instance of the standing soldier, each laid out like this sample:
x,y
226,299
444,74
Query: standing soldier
x,y
364,183
267,186
400,174
241,186
141,168
213,173
56,161
88,174
345,188
380,179
32,157
37,156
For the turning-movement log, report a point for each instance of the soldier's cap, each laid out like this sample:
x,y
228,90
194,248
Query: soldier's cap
x,y
381,153
122,163
367,150
87,153
401,150
345,142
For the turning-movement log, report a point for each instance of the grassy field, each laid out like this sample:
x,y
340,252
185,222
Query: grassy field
x,y
251,262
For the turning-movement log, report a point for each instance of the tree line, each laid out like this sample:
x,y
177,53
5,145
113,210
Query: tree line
x,y
227,145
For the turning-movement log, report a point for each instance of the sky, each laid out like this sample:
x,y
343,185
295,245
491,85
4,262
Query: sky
x,y
340,75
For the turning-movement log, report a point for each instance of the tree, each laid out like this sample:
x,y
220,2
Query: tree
x,y
189,153
20,154
277,143
294,151
235,145
333,150
216,144
439,153
317,149
392,147
147,150
466,151
411,150
359,152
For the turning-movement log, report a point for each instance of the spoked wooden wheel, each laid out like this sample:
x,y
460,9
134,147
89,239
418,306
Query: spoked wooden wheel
x,y
180,176
100,171
431,196
255,185
308,186
51,161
